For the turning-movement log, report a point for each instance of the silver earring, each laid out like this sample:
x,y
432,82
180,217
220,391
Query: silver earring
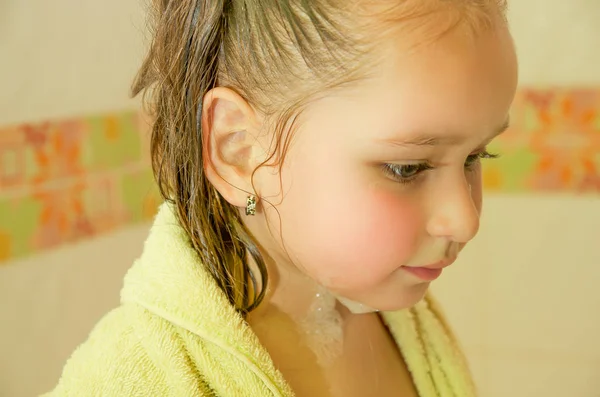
x,y
251,205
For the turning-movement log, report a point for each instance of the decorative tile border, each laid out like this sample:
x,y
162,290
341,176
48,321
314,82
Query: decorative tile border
x,y
552,146
68,180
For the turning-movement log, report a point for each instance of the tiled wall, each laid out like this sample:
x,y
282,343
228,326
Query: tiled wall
x,y
553,145
61,181
65,180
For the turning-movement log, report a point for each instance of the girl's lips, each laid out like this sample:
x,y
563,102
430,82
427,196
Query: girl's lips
x,y
430,272
424,273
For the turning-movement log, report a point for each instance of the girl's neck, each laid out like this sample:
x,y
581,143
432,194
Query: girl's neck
x,y
314,313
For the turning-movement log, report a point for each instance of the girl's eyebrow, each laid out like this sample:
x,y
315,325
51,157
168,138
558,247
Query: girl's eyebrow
x,y
444,140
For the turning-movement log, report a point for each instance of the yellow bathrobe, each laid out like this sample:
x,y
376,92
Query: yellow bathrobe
x,y
175,334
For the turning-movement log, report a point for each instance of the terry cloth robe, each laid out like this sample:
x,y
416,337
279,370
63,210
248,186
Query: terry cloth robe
x,y
176,334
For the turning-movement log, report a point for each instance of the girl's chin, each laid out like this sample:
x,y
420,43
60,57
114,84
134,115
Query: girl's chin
x,y
408,300
355,307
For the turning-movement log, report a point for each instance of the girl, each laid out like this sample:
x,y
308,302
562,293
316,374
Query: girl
x,y
320,162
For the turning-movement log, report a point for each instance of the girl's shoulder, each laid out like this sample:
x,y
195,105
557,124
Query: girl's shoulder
x,y
122,358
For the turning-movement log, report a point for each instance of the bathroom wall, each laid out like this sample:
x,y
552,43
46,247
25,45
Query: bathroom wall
x,y
72,166
68,57
522,297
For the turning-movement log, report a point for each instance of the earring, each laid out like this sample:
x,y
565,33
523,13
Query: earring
x,y
251,205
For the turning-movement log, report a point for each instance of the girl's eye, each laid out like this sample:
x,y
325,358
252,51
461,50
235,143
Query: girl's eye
x,y
405,173
409,173
474,159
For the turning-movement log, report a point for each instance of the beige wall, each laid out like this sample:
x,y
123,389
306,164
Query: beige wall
x,y
557,41
49,303
523,297
68,57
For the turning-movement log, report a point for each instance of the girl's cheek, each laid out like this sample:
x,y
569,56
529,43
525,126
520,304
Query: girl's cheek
x,y
363,237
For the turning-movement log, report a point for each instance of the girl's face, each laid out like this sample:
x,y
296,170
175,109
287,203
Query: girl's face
x,y
386,175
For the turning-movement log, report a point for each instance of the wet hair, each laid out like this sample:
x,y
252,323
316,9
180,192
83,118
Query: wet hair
x,y
278,55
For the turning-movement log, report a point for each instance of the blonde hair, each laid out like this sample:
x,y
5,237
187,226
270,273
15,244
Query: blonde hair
x,y
277,54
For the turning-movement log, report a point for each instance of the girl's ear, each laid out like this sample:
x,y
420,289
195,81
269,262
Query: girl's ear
x,y
232,150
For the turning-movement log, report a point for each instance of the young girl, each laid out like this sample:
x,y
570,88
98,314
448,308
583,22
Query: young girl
x,y
320,162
